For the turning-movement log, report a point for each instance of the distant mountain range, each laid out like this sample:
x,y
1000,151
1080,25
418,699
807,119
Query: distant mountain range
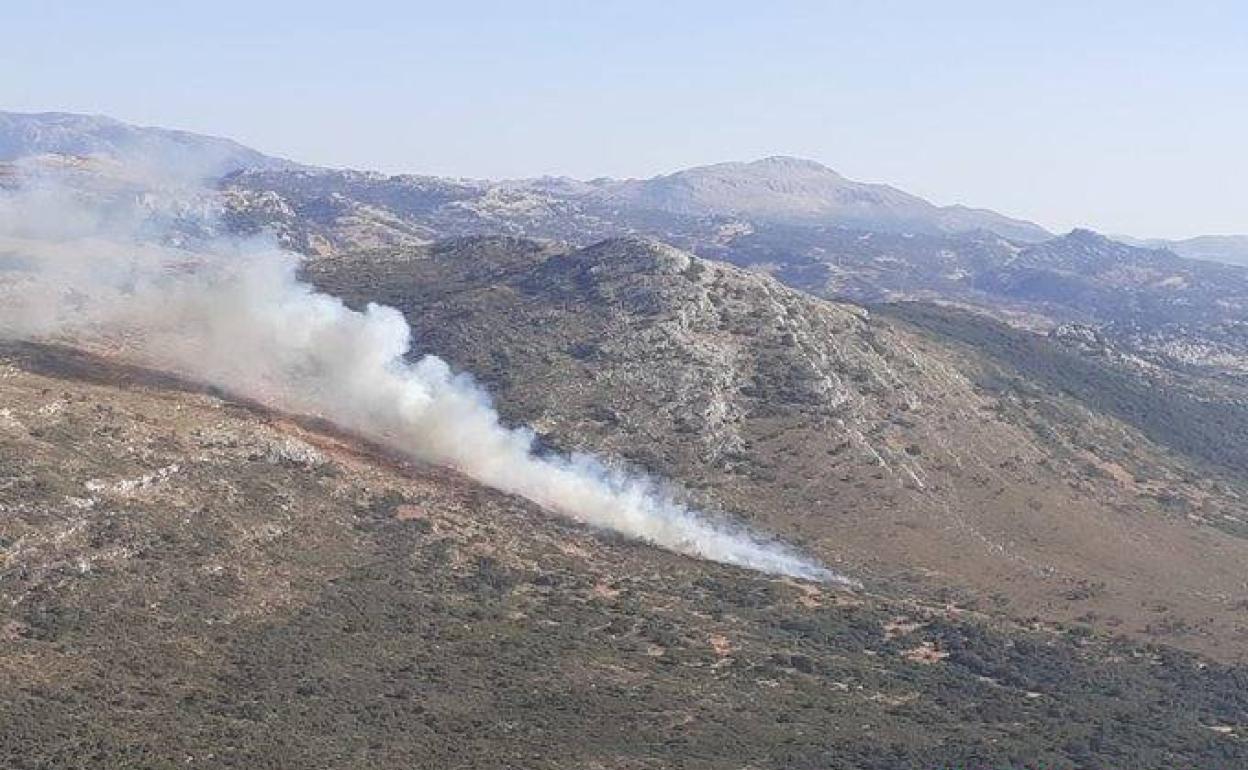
x,y
182,152
1232,249
777,190
795,219
797,191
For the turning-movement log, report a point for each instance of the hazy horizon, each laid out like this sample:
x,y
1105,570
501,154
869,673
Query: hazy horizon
x,y
1118,118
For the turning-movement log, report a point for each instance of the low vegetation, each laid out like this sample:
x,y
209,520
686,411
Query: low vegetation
x,y
1211,430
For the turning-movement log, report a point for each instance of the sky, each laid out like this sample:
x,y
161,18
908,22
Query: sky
x,y
1127,117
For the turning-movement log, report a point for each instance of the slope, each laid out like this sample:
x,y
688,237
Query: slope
x,y
189,581
883,449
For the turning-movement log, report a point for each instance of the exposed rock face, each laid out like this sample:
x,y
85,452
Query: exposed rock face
x,y
1085,338
892,455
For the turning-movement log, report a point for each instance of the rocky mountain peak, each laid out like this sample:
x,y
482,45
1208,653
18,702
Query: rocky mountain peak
x,y
1087,236
636,254
792,161
775,166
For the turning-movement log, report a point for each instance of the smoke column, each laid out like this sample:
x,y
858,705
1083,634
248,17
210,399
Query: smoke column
x,y
94,272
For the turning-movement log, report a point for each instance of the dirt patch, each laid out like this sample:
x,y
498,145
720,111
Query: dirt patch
x,y
926,653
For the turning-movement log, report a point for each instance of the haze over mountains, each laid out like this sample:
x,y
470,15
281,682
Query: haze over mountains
x,y
180,152
1029,449
796,191
778,189
1217,248
795,219
768,192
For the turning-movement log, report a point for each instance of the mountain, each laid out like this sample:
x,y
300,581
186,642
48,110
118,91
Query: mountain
x,y
946,459
1048,529
1086,252
777,189
1181,313
792,218
249,589
1078,276
342,210
1177,311
1089,276
797,191
1232,249
180,153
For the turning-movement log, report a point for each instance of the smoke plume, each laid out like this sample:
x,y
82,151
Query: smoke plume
x,y
136,271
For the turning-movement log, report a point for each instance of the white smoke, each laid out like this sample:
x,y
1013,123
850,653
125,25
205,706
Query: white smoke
x,y
89,271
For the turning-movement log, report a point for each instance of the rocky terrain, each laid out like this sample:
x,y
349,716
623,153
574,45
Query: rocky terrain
x,y
793,218
880,444
1028,450
702,204
188,581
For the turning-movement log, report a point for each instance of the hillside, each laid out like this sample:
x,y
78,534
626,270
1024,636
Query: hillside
x,y
802,223
1205,421
887,451
1178,313
795,219
189,581
250,565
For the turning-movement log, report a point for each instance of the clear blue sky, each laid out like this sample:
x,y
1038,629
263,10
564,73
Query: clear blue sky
x,y
1124,116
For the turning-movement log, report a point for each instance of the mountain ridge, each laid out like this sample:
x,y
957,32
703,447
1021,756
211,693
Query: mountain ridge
x,y
1231,249
176,151
27,133
866,440
790,189
795,218
779,187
